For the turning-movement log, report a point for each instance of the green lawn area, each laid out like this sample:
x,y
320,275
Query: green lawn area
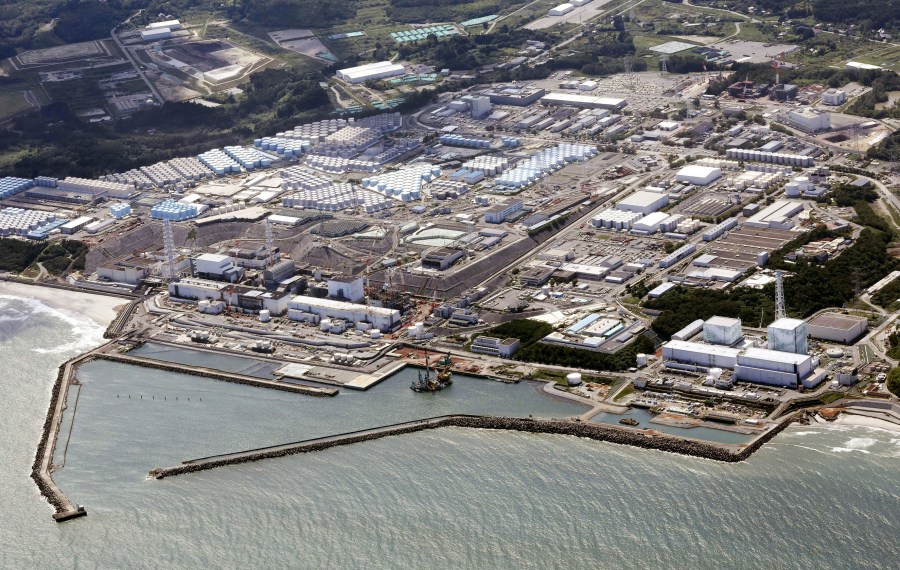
x,y
12,102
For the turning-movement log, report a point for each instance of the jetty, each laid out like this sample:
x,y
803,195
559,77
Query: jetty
x,y
647,439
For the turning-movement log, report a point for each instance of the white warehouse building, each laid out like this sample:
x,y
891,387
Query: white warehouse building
x,y
301,307
371,72
698,175
643,201
650,223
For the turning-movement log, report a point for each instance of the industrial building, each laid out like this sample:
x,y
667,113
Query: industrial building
x,y
776,215
370,72
502,347
837,328
515,95
788,335
698,175
643,202
762,366
217,267
650,223
131,271
499,213
248,299
347,289
808,120
834,97
312,309
75,225
442,258
722,330
583,101
756,365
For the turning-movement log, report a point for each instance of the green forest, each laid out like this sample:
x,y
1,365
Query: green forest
x,y
55,140
57,257
810,288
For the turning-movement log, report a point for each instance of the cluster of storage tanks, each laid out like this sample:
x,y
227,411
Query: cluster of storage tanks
x,y
754,179
719,163
20,222
616,219
510,142
771,157
448,190
384,122
162,174
119,210
297,178
405,184
227,209
315,132
400,147
489,165
337,197
468,142
249,157
219,162
345,359
288,148
11,185
339,165
348,142
545,162
171,210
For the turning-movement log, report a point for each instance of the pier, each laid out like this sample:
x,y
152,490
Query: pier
x,y
637,438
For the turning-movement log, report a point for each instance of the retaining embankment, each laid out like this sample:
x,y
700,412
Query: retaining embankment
x,y
594,431
218,375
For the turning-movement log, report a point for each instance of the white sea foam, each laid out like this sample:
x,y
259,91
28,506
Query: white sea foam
x,y
85,332
860,442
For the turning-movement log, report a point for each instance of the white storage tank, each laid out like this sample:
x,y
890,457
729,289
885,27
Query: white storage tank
x,y
375,334
641,360
265,316
573,379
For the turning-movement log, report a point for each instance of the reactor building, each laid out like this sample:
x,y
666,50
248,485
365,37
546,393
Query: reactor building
x,y
788,335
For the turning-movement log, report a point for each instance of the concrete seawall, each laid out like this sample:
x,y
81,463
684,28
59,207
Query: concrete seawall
x,y
218,375
594,431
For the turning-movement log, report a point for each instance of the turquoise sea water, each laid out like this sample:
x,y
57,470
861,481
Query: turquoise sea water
x,y
815,497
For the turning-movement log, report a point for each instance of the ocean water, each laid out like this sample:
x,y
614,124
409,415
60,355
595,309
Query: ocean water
x,y
816,496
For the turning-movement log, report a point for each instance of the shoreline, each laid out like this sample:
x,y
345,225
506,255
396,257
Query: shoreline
x,y
851,419
102,309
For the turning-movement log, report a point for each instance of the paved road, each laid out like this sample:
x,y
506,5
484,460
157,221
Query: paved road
x,y
135,63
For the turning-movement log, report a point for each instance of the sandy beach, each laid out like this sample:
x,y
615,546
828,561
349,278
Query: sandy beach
x,y
101,309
